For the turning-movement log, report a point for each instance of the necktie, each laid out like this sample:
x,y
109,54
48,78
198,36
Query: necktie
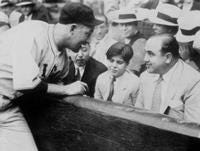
x,y
156,100
111,92
77,74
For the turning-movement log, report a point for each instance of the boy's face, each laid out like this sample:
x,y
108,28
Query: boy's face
x,y
117,66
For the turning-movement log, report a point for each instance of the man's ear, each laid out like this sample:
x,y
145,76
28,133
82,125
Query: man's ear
x,y
169,57
73,27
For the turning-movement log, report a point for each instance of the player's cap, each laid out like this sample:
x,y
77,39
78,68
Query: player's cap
x,y
78,13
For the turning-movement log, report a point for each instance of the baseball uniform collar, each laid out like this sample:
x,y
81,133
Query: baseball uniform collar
x,y
52,41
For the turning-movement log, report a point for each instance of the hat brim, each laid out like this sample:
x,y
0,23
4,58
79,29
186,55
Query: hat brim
x,y
196,43
24,3
125,20
95,22
6,4
184,39
156,20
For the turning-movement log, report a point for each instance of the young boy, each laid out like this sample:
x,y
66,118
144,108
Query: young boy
x,y
118,84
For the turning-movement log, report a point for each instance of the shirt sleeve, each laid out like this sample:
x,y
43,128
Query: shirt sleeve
x,y
25,68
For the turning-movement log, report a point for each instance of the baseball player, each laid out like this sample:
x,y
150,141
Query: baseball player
x,y
32,54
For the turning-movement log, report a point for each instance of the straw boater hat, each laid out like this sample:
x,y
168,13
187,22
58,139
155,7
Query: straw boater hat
x,y
5,3
25,3
3,19
125,16
189,25
196,43
165,14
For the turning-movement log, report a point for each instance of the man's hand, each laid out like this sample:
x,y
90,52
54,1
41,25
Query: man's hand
x,y
74,88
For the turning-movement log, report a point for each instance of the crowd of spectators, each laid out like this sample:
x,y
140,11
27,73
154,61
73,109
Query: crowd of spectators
x,y
141,53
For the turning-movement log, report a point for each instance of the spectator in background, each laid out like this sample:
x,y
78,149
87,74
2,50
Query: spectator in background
x,y
34,10
7,6
99,33
169,85
191,5
114,34
128,24
188,26
4,24
165,18
84,68
118,84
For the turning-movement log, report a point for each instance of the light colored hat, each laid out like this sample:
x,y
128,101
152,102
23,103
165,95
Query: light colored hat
x,y
3,19
165,14
189,24
25,3
125,16
5,3
196,43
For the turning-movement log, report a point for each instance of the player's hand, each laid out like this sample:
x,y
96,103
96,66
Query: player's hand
x,y
75,88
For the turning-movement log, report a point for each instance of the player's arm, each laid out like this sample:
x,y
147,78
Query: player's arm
x,y
74,88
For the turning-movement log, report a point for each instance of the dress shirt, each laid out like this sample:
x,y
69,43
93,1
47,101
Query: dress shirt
x,y
81,70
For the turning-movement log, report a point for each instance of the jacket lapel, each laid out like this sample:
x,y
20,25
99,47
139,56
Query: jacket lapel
x,y
172,87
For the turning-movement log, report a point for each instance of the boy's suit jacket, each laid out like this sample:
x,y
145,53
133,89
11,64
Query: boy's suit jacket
x,y
183,93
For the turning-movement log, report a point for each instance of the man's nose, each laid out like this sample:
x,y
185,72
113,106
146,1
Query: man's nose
x,y
80,54
146,58
154,26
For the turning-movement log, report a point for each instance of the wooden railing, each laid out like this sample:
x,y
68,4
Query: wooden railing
x,y
84,124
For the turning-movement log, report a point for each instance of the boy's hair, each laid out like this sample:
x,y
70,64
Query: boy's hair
x,y
120,49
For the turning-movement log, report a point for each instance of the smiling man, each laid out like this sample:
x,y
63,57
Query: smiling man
x,y
169,85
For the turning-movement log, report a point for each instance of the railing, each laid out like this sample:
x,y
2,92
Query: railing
x,y
84,124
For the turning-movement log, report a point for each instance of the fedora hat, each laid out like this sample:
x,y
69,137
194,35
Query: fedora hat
x,y
25,3
165,14
189,25
125,16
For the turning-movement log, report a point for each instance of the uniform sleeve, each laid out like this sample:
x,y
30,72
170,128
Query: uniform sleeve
x,y
25,68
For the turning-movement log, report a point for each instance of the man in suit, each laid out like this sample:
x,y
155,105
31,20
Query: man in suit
x,y
33,10
128,25
177,94
84,68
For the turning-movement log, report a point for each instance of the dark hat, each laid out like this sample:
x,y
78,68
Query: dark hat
x,y
25,3
78,13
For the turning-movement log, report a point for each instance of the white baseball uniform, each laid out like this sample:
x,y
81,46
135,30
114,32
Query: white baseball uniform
x,y
28,55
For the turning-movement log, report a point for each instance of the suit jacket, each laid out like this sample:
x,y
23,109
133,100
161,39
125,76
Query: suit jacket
x,y
136,63
40,12
92,70
183,93
125,90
